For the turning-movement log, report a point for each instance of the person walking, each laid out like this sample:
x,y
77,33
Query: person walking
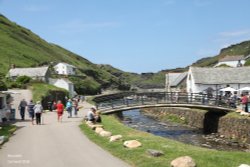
x,y
31,111
75,107
69,108
21,107
59,109
244,101
38,109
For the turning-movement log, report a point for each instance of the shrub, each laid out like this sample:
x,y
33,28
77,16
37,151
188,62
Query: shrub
x,y
23,79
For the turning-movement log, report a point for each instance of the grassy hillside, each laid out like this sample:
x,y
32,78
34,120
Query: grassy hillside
x,y
23,48
242,48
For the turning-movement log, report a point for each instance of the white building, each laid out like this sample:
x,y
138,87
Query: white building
x,y
202,80
65,69
176,81
5,98
65,84
232,61
37,73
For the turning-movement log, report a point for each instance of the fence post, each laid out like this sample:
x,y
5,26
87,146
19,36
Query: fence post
x,y
112,105
142,100
127,103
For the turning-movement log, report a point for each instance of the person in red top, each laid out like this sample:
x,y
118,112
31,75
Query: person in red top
x,y
59,109
244,101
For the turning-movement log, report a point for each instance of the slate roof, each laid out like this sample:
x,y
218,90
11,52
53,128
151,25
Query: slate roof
x,y
232,58
30,72
176,78
221,75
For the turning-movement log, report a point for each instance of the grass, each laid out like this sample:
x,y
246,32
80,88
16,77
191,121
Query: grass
x,y
172,149
7,131
41,90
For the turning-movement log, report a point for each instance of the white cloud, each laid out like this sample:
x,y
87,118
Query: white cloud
x,y
35,8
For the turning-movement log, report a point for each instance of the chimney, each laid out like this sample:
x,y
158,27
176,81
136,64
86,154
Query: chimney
x,y
13,66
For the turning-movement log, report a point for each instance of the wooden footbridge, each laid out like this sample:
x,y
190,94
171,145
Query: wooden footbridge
x,y
134,100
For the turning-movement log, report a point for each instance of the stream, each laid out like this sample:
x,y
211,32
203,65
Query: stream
x,y
185,134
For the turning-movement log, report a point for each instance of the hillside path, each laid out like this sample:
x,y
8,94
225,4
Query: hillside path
x,y
53,144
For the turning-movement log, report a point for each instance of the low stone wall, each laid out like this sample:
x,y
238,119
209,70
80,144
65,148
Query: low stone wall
x,y
235,128
229,126
192,117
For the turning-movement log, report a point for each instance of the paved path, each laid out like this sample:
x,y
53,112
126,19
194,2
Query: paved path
x,y
54,145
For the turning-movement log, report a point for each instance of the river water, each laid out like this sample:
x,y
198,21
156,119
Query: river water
x,y
138,120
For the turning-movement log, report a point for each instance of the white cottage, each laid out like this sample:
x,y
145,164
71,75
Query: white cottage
x,y
232,61
36,73
207,80
65,84
65,69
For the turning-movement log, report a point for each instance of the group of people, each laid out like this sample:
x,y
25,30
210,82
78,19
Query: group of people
x,y
34,109
235,101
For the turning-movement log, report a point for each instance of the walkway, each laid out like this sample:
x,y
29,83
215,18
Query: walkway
x,y
54,145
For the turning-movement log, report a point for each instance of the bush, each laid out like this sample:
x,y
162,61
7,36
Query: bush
x,y
23,79
87,86
3,85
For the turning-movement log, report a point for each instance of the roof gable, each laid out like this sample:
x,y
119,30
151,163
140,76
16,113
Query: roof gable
x,y
176,78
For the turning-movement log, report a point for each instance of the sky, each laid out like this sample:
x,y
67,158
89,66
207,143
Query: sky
x,y
135,35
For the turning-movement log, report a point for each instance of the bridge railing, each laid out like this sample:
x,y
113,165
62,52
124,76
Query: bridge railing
x,y
129,99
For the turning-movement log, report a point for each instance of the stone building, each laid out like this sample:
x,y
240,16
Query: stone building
x,y
36,73
201,80
176,82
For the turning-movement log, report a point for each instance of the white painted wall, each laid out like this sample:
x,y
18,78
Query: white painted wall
x,y
61,83
64,69
230,63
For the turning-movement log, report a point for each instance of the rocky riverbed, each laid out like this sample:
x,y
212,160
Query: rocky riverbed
x,y
189,135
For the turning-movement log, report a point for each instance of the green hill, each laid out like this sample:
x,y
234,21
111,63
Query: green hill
x,y
242,48
23,48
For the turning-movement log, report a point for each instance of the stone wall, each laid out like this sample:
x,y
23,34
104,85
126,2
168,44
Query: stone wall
x,y
192,117
231,127
235,128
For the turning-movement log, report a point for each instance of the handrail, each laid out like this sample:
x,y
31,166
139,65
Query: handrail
x,y
129,99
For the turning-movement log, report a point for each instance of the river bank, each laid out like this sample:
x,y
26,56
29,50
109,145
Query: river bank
x,y
228,129
171,149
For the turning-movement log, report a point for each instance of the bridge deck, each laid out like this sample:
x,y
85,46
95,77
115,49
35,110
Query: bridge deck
x,y
125,108
131,100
